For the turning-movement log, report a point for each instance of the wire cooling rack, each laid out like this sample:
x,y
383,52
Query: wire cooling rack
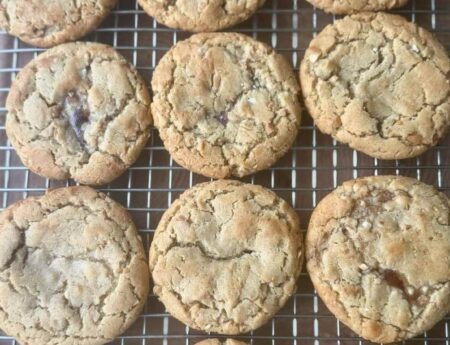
x,y
312,168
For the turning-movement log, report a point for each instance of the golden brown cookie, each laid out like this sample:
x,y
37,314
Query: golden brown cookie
x,y
200,16
79,110
352,6
226,256
378,83
225,104
72,269
220,342
46,23
378,253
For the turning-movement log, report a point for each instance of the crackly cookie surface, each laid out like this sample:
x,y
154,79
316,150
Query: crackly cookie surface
x,y
45,23
351,6
226,256
379,84
200,16
225,104
220,342
378,253
79,110
72,269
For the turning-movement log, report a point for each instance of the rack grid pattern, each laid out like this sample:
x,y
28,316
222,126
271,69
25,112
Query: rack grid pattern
x,y
312,168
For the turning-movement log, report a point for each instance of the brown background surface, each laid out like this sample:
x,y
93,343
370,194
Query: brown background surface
x,y
313,167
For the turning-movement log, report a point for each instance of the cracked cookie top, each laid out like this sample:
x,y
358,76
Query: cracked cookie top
x,y
378,83
72,269
225,104
200,16
79,110
352,6
46,23
220,342
378,253
226,256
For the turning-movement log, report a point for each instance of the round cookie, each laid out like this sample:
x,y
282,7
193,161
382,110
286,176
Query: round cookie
x,y
46,23
226,256
200,16
220,342
352,6
72,269
378,83
378,254
225,104
79,110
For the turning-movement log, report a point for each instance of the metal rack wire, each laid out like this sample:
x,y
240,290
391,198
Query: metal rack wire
x,y
313,167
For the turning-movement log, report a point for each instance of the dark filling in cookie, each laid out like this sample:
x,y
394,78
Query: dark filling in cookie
x,y
396,280
372,204
222,118
393,279
77,112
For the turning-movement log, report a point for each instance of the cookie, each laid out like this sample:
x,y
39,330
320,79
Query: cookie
x,y
80,111
352,6
200,16
220,342
225,104
378,254
379,84
226,256
72,269
46,23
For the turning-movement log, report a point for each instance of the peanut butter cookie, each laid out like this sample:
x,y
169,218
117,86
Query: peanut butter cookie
x,y
352,6
80,111
225,104
72,269
200,16
378,253
46,23
226,256
220,342
378,83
